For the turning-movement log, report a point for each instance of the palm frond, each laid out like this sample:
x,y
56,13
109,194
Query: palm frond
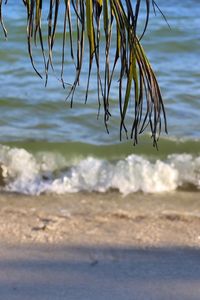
x,y
101,21
1,20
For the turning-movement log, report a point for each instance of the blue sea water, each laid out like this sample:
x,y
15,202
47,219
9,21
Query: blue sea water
x,y
48,146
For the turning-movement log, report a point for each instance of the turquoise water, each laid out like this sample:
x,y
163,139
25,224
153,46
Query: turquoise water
x,y
40,123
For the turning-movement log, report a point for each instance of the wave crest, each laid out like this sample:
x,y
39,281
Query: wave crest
x,y
23,172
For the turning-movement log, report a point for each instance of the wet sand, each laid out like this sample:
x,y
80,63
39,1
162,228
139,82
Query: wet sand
x,y
171,219
96,246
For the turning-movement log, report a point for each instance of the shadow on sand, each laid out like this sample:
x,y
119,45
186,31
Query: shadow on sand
x,y
81,272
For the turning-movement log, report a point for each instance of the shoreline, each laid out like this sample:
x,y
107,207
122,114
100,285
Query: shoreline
x,y
141,220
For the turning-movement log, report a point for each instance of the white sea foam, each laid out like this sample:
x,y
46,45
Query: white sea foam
x,y
29,174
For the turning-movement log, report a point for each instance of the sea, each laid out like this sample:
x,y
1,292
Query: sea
x,y
47,146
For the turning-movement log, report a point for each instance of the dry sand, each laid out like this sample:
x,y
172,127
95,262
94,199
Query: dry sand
x,y
95,246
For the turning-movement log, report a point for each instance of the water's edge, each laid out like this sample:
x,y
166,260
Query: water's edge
x,y
73,167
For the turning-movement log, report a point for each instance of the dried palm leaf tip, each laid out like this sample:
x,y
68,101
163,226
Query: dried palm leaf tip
x,y
96,20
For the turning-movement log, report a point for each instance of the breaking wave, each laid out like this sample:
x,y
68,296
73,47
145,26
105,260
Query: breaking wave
x,y
46,172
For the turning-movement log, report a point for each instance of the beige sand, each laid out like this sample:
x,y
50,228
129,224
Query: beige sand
x,y
95,246
139,220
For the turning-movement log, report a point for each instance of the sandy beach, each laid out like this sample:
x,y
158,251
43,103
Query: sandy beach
x,y
171,219
134,233
100,246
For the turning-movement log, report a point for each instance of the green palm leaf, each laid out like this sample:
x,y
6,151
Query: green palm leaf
x,y
100,22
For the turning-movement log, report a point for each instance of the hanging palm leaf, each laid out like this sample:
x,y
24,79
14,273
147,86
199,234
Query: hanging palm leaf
x,y
101,21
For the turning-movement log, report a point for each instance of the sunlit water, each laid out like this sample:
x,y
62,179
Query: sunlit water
x,y
32,116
